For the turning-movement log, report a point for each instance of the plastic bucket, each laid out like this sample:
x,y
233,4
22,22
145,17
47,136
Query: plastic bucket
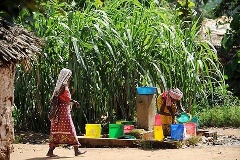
x,y
158,133
158,121
195,120
184,117
93,130
128,123
128,128
125,122
115,130
190,129
121,121
146,90
177,131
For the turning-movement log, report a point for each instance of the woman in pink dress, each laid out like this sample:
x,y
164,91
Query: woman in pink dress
x,y
62,127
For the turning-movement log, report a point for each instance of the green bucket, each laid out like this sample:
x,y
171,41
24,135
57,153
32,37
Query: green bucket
x,y
116,130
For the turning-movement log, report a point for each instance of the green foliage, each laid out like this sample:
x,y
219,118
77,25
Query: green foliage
x,y
227,7
220,116
217,8
185,9
112,50
193,141
206,8
232,74
218,110
231,37
229,42
10,9
18,139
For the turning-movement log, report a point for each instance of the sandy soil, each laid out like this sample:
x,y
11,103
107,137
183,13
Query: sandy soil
x,y
218,152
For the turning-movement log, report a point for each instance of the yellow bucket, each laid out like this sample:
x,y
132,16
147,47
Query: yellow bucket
x,y
118,122
93,130
158,133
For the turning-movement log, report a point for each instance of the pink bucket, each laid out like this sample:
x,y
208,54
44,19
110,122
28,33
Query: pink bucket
x,y
190,129
128,128
158,121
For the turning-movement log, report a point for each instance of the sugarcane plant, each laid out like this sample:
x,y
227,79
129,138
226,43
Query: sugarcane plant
x,y
112,49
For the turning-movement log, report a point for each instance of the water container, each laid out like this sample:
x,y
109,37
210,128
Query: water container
x,y
184,117
146,90
120,121
125,122
195,120
128,128
158,121
93,130
115,130
158,133
190,128
177,131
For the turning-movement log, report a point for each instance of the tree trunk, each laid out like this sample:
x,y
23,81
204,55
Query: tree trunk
x,y
7,74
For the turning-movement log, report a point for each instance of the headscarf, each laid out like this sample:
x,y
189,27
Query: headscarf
x,y
176,94
173,93
63,79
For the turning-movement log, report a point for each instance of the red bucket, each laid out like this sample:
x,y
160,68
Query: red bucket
x,y
158,121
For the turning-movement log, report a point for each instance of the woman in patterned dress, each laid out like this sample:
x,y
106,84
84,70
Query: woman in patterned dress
x,y
62,128
169,106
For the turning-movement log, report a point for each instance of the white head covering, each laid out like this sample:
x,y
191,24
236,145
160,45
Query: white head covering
x,y
63,79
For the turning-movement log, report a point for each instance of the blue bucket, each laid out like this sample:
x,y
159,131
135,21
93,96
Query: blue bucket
x,y
177,131
146,90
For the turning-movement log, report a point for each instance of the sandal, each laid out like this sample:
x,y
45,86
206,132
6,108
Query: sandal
x,y
80,152
51,155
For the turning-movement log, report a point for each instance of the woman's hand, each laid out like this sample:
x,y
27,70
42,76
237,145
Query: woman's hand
x,y
76,103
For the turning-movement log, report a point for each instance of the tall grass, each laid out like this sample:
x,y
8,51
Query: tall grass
x,y
111,50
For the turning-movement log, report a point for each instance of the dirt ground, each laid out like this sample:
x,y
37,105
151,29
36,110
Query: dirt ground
x,y
209,152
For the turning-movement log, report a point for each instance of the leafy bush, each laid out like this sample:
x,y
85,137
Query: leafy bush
x,y
220,117
226,7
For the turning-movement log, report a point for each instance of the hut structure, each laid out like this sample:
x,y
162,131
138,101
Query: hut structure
x,y
17,46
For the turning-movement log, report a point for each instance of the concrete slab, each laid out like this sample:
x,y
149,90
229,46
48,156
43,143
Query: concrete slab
x,y
124,143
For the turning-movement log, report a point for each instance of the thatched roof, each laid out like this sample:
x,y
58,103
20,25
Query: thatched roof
x,y
17,44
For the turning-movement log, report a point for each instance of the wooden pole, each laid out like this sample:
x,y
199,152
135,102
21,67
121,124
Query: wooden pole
x,y
7,74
